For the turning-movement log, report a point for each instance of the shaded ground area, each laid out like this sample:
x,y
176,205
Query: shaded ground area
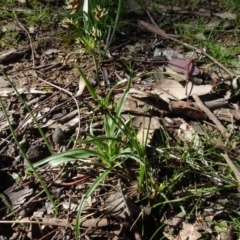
x,y
180,66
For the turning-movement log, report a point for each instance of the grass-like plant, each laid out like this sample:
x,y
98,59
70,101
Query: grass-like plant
x,y
91,23
183,169
118,144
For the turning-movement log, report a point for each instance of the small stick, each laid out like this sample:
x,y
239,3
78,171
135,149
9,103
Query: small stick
x,y
222,129
230,233
51,84
232,166
211,116
73,183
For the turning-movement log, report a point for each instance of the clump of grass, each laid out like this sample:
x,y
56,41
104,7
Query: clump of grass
x,y
112,149
230,5
38,16
9,39
91,21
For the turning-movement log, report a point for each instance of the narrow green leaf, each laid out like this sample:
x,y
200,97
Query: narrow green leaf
x,y
85,197
69,155
88,84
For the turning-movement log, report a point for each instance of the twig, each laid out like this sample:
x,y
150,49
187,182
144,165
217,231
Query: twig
x,y
128,210
123,197
230,233
215,104
75,100
211,116
29,37
51,84
74,182
222,129
232,166
155,29
61,222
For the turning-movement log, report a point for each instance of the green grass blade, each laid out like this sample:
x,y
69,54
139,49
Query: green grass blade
x,y
67,156
115,24
85,197
30,112
88,84
29,162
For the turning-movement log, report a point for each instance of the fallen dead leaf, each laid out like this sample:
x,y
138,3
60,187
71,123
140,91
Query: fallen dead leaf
x,y
226,115
3,82
183,66
188,135
187,109
81,87
212,24
173,90
189,232
139,102
116,206
176,220
146,127
226,15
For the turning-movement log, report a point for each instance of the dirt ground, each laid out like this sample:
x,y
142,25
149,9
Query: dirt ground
x,y
174,69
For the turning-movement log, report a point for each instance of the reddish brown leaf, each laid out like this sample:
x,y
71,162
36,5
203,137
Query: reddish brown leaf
x,y
183,66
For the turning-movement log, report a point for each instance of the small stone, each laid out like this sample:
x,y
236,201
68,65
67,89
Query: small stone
x,y
59,136
67,128
36,152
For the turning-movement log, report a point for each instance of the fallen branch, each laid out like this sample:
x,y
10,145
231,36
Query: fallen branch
x,y
210,115
233,167
89,223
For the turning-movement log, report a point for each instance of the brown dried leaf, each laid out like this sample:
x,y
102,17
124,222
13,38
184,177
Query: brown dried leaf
x,y
225,114
139,104
187,109
176,220
146,122
115,205
212,24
